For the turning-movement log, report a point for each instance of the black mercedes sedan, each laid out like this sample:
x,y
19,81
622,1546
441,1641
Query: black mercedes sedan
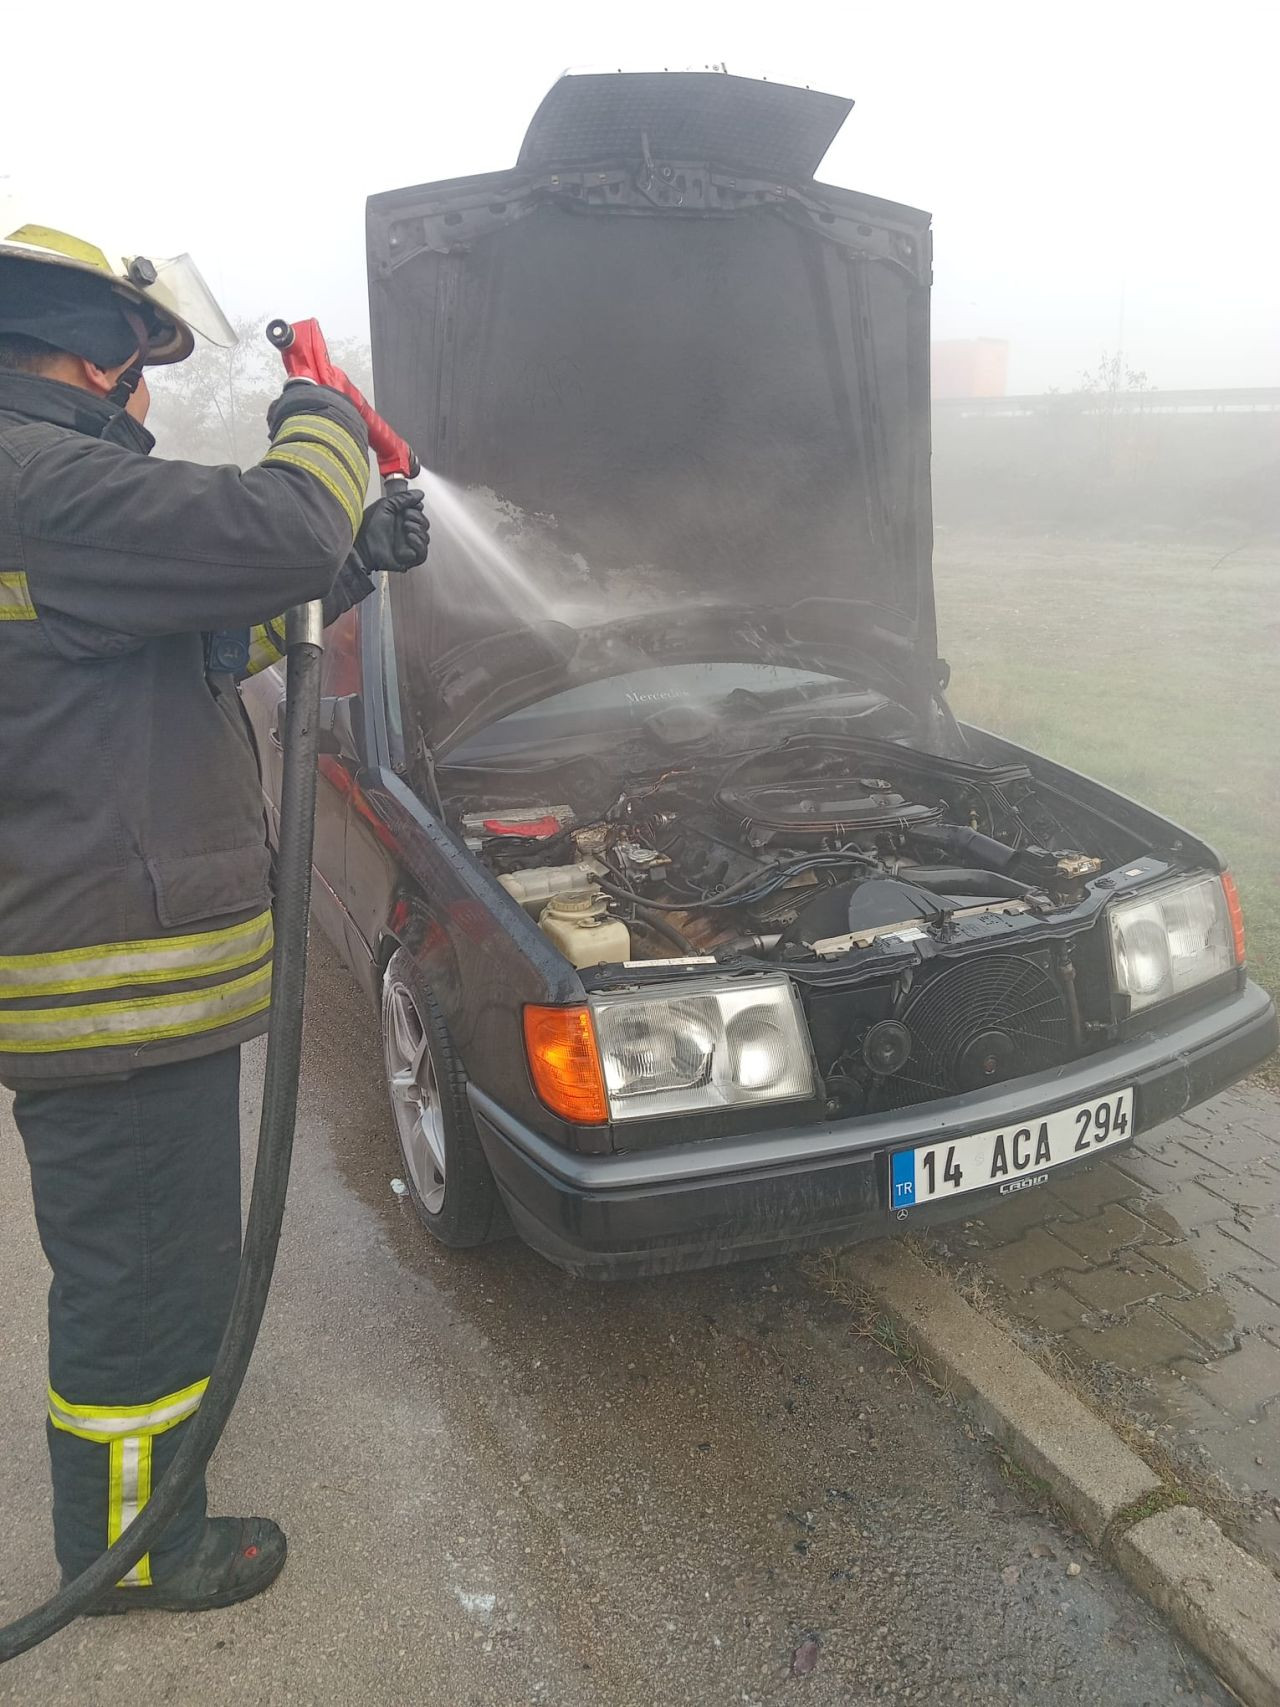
x,y
700,928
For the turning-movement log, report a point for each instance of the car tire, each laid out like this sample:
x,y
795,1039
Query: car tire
x,y
445,1170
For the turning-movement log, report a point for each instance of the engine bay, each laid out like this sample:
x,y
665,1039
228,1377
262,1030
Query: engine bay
x,y
807,850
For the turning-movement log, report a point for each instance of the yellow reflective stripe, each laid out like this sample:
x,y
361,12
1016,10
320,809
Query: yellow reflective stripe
x,y
304,456
129,1489
341,469
38,1031
113,1422
316,427
74,970
140,1575
264,648
301,458
15,599
114,981
227,933
115,1491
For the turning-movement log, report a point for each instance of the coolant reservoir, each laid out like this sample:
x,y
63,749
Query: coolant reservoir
x,y
582,929
534,887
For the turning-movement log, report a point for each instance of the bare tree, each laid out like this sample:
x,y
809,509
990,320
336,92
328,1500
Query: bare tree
x,y
1112,379
213,407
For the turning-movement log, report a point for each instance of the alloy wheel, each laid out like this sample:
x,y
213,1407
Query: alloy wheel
x,y
415,1095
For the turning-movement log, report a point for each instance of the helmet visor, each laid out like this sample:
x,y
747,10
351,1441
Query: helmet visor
x,y
178,289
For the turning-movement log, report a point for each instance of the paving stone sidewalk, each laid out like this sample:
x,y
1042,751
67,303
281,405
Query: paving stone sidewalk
x,y
1157,1275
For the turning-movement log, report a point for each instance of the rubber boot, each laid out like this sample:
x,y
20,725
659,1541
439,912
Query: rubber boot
x,y
235,1558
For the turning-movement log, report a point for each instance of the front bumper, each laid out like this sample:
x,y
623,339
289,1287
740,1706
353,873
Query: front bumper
x,y
698,1204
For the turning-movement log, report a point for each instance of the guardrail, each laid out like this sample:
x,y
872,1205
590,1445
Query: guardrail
x,y
1249,400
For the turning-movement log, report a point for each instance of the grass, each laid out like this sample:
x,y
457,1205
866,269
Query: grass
x,y
1035,1491
1154,667
870,1321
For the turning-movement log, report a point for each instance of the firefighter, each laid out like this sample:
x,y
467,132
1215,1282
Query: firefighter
x,y
135,915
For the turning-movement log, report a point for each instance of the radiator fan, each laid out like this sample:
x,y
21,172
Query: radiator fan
x,y
987,1019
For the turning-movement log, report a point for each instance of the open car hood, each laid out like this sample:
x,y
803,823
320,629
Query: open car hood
x,y
660,368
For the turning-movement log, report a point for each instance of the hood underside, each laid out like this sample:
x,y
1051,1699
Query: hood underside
x,y
659,366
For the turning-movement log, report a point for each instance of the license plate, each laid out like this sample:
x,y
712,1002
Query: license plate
x,y
1008,1158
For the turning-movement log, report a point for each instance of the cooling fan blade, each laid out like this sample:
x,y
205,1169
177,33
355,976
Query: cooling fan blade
x,y
978,1023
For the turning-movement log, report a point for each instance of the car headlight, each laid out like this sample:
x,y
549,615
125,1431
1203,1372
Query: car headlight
x,y
1169,942
691,1048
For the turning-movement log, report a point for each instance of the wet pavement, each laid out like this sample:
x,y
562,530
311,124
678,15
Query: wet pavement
x,y
1156,1275
506,1487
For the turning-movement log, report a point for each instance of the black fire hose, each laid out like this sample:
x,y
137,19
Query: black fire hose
x,y
305,643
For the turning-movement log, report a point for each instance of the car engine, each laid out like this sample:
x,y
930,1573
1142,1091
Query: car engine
x,y
785,852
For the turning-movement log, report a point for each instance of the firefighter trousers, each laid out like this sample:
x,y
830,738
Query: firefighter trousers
x,y
136,1183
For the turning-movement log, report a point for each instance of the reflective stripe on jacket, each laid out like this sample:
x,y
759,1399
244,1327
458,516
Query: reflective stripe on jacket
x,y
135,921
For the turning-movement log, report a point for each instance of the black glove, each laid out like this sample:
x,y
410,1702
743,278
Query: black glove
x,y
394,534
302,397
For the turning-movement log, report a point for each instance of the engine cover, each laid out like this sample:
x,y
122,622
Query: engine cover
x,y
821,808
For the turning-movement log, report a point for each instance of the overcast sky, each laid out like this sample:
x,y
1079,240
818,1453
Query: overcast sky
x,y
1099,173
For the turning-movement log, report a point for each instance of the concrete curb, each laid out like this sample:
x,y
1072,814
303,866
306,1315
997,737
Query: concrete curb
x,y
1222,1600
1225,1603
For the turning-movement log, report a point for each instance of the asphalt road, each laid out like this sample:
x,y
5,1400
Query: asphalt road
x,y
505,1487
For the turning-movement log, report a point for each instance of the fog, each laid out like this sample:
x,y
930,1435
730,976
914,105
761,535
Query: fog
x,y
1100,175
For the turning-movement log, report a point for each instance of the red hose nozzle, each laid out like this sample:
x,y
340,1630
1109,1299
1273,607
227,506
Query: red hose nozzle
x,y
306,356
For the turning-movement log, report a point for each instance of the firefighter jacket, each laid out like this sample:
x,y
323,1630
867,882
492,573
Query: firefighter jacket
x,y
135,922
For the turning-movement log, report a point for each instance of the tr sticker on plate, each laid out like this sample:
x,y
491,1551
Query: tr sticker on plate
x,y
1010,1158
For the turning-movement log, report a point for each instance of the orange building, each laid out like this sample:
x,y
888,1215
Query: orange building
x,y
970,367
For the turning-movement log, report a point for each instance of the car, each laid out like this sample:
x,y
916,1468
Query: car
x,y
699,926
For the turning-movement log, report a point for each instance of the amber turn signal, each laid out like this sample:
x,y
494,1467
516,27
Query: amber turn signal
x,y
1237,916
564,1062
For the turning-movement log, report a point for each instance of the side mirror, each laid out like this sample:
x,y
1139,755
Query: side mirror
x,y
342,727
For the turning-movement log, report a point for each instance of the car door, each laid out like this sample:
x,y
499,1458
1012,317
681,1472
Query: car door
x,y
373,857
266,702
335,773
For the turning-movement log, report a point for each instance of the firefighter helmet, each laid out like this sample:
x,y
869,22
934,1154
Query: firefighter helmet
x,y
170,295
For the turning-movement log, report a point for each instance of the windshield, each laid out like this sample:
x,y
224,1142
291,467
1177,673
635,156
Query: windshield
x,y
716,694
